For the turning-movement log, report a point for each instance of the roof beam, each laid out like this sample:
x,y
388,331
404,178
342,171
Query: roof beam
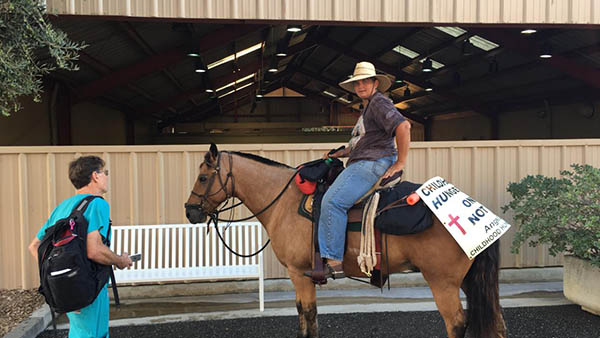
x,y
160,61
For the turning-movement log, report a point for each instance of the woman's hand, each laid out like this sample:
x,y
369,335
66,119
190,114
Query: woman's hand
x,y
394,168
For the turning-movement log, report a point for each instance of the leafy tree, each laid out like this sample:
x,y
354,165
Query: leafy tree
x,y
25,31
562,212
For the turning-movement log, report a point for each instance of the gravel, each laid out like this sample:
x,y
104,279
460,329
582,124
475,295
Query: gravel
x,y
17,305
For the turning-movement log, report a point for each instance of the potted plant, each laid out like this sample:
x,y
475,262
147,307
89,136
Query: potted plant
x,y
563,212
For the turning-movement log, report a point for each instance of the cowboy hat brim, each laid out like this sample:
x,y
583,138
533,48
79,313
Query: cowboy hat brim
x,y
384,82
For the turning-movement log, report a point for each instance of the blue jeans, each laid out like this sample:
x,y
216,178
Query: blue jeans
x,y
347,188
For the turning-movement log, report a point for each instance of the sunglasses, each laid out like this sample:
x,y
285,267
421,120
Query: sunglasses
x,y
105,172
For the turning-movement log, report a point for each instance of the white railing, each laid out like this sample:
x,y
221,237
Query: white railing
x,y
174,252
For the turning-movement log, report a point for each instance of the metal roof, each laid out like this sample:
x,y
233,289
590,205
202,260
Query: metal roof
x,y
143,66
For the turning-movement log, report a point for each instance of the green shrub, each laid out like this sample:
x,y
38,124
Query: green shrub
x,y
562,212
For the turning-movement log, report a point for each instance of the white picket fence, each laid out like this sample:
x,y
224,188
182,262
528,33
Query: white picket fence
x,y
173,252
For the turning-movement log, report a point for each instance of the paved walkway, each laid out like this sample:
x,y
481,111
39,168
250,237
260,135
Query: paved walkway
x,y
530,310
282,303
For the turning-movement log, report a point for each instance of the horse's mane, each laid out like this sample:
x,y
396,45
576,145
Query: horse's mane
x,y
261,159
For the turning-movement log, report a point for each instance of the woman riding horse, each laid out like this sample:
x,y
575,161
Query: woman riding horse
x,y
372,154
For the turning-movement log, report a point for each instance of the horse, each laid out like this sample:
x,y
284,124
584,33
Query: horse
x,y
261,185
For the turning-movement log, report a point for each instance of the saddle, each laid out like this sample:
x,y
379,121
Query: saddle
x,y
310,208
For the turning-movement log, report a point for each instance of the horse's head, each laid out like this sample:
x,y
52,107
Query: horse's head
x,y
210,189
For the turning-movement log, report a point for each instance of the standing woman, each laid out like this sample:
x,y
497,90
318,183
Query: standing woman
x,y
371,155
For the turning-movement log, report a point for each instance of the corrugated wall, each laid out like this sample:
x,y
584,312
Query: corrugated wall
x,y
374,11
149,185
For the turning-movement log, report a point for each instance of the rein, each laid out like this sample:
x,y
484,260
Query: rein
x,y
214,216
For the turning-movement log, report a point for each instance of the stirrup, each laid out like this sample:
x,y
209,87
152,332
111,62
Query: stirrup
x,y
329,273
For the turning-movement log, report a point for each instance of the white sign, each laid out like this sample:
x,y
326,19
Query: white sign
x,y
473,226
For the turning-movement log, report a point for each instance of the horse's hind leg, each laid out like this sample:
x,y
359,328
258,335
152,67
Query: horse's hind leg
x,y
447,299
306,304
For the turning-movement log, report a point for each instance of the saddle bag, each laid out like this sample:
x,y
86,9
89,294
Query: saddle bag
x,y
318,171
396,217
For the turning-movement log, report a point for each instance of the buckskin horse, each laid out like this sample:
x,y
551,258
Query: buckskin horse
x,y
261,184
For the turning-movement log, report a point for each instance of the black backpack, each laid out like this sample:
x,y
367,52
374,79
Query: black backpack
x,y
68,279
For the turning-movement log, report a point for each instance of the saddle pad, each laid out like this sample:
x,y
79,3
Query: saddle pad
x,y
306,206
402,219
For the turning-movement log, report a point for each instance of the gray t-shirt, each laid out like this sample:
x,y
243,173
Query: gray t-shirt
x,y
373,134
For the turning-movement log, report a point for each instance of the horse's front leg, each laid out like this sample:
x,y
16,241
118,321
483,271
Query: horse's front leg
x,y
306,303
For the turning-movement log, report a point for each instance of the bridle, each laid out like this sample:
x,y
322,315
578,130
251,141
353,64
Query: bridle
x,y
211,180
214,215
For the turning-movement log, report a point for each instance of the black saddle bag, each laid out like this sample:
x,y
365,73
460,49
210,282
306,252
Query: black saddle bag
x,y
401,218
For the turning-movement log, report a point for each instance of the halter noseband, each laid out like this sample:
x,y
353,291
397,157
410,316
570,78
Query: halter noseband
x,y
211,180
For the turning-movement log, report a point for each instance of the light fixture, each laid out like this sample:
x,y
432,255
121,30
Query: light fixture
x,y
273,66
427,66
281,49
546,51
407,92
428,86
193,54
294,28
199,67
528,31
208,90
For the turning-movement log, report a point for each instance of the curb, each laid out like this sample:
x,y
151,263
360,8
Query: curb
x,y
32,326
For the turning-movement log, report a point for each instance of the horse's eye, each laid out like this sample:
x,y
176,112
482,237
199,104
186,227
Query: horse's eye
x,y
202,178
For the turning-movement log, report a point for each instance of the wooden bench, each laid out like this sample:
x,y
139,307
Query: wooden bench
x,y
174,252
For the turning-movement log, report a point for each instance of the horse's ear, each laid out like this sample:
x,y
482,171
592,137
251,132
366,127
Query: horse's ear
x,y
213,150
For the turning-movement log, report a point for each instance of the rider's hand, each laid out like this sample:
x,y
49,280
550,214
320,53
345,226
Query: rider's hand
x,y
394,168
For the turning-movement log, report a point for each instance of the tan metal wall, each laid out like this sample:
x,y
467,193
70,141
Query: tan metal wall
x,y
149,184
375,11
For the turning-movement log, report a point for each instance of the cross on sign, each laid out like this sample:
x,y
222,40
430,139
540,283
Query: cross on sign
x,y
454,221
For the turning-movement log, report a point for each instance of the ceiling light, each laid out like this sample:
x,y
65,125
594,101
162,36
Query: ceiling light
x,y
409,53
281,49
453,31
294,28
208,90
193,54
427,66
235,56
428,86
273,66
482,43
236,89
546,51
199,67
236,82
528,31
329,94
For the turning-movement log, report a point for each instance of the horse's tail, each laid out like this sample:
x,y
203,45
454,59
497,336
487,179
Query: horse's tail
x,y
481,289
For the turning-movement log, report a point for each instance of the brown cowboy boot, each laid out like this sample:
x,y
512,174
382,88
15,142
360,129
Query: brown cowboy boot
x,y
333,272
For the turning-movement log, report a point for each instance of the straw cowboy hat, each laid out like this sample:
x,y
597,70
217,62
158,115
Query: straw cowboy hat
x,y
365,70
